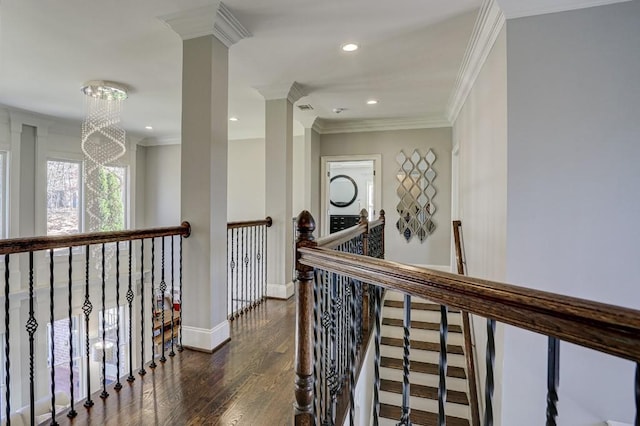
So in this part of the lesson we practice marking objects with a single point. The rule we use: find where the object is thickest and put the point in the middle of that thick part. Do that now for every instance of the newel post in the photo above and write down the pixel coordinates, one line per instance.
(384, 224)
(303, 406)
(364, 220)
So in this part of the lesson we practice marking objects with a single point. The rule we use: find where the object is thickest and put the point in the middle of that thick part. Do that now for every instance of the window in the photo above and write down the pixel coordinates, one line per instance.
(60, 363)
(114, 201)
(64, 197)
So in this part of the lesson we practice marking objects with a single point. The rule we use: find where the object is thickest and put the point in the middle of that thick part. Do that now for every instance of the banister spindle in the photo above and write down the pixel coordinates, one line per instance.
(152, 364)
(118, 385)
(72, 411)
(245, 275)
(7, 362)
(377, 294)
(317, 404)
(142, 371)
(237, 268)
(130, 377)
(87, 307)
(163, 288)
(231, 266)
(352, 357)
(173, 302)
(32, 326)
(180, 347)
(405, 417)
(490, 359)
(553, 378)
(442, 367)
(637, 393)
(303, 406)
(52, 335)
(104, 392)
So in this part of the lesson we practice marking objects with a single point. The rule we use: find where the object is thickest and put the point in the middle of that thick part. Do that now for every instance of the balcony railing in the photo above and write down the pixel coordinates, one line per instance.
(322, 270)
(132, 279)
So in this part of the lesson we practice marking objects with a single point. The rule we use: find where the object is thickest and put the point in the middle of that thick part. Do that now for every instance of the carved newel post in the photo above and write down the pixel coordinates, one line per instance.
(303, 406)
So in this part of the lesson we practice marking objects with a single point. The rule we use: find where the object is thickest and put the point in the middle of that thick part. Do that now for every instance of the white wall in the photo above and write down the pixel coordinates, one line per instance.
(435, 249)
(245, 184)
(573, 209)
(480, 132)
(162, 185)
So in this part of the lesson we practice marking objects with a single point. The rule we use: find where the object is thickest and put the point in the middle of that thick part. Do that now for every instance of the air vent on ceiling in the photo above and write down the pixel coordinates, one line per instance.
(305, 107)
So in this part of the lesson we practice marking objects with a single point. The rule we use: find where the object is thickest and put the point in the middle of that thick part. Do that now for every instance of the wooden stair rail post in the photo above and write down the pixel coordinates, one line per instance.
(466, 324)
(304, 381)
(364, 220)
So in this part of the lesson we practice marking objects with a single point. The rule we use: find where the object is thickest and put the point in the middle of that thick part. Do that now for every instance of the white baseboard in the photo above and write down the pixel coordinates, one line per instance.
(280, 291)
(205, 340)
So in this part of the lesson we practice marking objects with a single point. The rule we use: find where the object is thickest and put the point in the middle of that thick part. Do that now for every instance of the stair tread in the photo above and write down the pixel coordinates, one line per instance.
(416, 305)
(422, 391)
(422, 325)
(419, 417)
(425, 346)
(423, 367)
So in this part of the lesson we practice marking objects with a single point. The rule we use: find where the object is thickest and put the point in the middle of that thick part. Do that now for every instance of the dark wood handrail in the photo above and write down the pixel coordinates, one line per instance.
(23, 245)
(606, 328)
(247, 223)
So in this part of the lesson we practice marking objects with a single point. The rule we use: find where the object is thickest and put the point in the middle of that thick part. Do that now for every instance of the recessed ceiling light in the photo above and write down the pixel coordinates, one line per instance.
(349, 47)
(233, 119)
(372, 102)
(148, 127)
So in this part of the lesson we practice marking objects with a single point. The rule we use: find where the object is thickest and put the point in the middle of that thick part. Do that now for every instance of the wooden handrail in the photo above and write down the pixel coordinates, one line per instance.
(23, 245)
(246, 223)
(606, 328)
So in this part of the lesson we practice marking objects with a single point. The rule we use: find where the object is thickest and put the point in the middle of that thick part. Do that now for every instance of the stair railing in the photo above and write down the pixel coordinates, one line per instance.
(246, 265)
(605, 328)
(68, 278)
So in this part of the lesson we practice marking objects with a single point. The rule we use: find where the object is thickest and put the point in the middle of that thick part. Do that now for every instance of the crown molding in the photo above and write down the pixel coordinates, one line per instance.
(535, 8)
(216, 20)
(292, 92)
(324, 126)
(488, 25)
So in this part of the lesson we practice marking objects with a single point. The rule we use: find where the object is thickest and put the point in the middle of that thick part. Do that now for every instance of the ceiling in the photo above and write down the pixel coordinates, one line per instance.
(409, 56)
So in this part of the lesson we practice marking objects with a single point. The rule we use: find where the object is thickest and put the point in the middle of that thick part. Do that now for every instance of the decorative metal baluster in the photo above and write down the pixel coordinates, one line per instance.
(637, 392)
(352, 359)
(405, 418)
(87, 307)
(553, 378)
(32, 326)
(334, 373)
(52, 335)
(180, 348)
(377, 295)
(142, 371)
(163, 288)
(488, 390)
(153, 303)
(72, 412)
(253, 267)
(173, 302)
(237, 266)
(118, 385)
(130, 296)
(245, 274)
(264, 262)
(104, 392)
(231, 265)
(7, 363)
(326, 346)
(442, 385)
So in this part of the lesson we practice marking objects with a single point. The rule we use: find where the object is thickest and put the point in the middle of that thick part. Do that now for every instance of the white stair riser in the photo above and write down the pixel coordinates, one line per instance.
(454, 318)
(422, 335)
(423, 404)
(423, 379)
(422, 356)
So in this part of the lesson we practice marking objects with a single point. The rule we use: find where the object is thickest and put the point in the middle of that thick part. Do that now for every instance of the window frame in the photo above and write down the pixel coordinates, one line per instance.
(81, 191)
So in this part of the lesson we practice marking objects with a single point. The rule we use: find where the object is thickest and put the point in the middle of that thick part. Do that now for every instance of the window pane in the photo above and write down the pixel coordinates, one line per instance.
(113, 198)
(63, 197)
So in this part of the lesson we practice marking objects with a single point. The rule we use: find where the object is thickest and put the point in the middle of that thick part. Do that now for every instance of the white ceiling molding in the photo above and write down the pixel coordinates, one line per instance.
(307, 119)
(519, 9)
(490, 21)
(292, 92)
(159, 142)
(216, 20)
(324, 126)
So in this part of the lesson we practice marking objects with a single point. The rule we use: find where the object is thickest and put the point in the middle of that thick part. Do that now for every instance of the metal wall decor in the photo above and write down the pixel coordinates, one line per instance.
(416, 193)
(344, 191)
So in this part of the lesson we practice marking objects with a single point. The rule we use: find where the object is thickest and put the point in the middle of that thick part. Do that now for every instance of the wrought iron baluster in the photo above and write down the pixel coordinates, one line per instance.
(142, 371)
(130, 378)
(163, 288)
(118, 385)
(264, 261)
(52, 336)
(377, 296)
(253, 267)
(488, 390)
(326, 346)
(87, 307)
(246, 300)
(237, 266)
(352, 359)
(180, 347)
(72, 412)
(442, 367)
(553, 378)
(32, 326)
(7, 347)
(637, 392)
(405, 418)
(104, 392)
(152, 364)
(173, 302)
(230, 265)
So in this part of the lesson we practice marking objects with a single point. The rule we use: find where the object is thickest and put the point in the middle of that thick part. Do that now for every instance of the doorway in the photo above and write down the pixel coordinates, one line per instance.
(350, 184)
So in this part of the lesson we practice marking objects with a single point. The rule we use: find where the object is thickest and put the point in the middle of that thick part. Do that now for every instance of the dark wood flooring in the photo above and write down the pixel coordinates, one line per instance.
(249, 381)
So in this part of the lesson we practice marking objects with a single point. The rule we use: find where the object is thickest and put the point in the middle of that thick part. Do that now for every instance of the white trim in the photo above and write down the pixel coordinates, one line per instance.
(485, 32)
(160, 142)
(206, 340)
(533, 10)
(280, 291)
(292, 92)
(227, 28)
(324, 126)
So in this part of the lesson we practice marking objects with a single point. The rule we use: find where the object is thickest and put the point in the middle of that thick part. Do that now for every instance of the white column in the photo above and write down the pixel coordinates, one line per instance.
(312, 169)
(279, 173)
(207, 34)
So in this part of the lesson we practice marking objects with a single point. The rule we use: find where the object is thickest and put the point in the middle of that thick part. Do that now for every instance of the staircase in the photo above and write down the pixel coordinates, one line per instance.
(425, 348)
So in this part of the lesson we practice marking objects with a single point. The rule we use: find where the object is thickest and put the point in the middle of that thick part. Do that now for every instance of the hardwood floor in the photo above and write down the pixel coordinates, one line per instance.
(249, 381)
